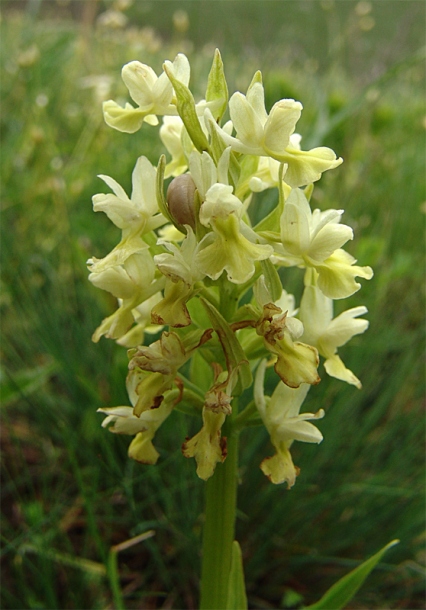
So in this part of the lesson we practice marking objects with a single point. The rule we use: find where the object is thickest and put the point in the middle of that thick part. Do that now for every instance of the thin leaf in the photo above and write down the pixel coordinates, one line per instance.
(161, 200)
(271, 222)
(186, 108)
(272, 279)
(234, 353)
(217, 89)
(81, 563)
(237, 598)
(344, 589)
(217, 148)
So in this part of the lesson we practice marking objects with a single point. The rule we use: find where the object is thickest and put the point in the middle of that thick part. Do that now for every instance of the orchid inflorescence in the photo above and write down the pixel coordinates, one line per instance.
(191, 266)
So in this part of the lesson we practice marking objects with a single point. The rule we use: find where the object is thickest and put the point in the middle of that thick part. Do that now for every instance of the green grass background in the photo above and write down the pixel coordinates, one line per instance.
(69, 493)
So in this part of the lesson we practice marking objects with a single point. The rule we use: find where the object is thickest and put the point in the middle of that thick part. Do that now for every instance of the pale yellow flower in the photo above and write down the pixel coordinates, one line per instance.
(258, 133)
(327, 334)
(226, 248)
(143, 427)
(313, 240)
(207, 446)
(153, 95)
(280, 414)
(296, 362)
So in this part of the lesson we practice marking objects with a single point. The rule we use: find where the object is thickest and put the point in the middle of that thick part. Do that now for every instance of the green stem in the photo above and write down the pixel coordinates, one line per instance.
(228, 298)
(219, 526)
(114, 580)
(243, 418)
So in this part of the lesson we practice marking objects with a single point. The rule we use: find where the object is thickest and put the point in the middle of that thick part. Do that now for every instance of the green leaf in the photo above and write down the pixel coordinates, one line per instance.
(234, 353)
(343, 590)
(217, 148)
(217, 89)
(186, 108)
(271, 222)
(236, 599)
(234, 168)
(308, 190)
(86, 565)
(272, 279)
(201, 372)
(249, 165)
(161, 200)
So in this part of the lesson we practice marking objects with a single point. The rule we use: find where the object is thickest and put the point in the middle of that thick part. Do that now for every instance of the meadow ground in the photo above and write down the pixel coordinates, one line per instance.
(69, 492)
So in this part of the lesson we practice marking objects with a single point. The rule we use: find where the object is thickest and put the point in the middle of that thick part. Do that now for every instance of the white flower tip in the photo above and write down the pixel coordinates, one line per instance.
(131, 65)
(138, 70)
(168, 67)
(368, 273)
(181, 57)
(290, 103)
(237, 97)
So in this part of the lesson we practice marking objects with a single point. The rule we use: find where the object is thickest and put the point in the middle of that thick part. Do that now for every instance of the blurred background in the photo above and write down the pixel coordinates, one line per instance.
(69, 492)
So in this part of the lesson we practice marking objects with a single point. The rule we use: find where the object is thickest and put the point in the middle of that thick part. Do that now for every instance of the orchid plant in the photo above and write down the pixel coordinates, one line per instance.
(193, 270)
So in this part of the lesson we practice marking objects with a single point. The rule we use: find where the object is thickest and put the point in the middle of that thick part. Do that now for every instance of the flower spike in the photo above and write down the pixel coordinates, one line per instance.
(199, 270)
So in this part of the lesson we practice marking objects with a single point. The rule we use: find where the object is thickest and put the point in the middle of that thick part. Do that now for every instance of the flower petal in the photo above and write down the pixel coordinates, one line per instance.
(140, 80)
(127, 119)
(120, 211)
(142, 450)
(203, 172)
(280, 125)
(114, 280)
(305, 167)
(118, 190)
(227, 249)
(207, 447)
(280, 468)
(316, 313)
(328, 240)
(298, 429)
(335, 368)
(297, 362)
(172, 308)
(286, 402)
(144, 186)
(246, 121)
(337, 275)
(345, 326)
(295, 223)
(256, 98)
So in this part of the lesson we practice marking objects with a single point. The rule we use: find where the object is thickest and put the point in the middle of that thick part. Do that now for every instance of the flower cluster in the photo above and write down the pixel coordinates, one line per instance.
(193, 272)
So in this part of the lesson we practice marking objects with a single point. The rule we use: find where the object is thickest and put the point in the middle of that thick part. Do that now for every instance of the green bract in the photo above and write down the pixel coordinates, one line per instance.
(191, 266)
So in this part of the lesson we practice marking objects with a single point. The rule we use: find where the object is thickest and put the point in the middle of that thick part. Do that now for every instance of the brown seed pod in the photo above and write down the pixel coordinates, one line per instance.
(180, 200)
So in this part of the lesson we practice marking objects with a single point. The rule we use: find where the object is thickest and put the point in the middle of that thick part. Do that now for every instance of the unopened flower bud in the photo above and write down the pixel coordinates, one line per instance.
(180, 199)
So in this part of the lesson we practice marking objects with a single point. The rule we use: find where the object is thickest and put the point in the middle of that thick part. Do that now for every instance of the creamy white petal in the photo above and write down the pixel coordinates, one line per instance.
(246, 121)
(331, 237)
(139, 80)
(281, 124)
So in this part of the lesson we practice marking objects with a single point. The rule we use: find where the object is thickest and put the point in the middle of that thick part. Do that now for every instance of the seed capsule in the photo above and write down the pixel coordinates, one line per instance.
(180, 200)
